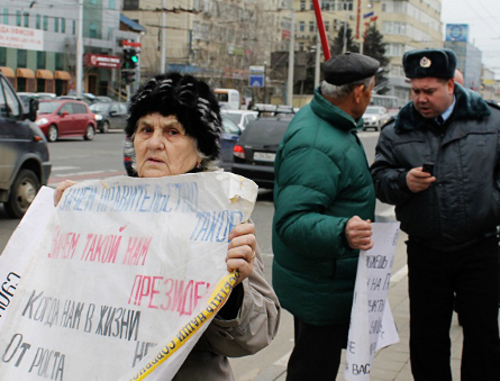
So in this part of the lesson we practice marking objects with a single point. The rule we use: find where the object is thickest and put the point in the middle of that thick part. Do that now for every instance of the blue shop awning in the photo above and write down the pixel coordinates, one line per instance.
(131, 24)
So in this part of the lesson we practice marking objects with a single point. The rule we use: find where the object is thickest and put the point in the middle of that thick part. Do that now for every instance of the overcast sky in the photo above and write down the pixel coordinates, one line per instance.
(483, 17)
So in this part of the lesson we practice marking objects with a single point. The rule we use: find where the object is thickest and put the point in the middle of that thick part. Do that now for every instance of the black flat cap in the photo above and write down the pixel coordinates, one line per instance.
(349, 67)
(438, 63)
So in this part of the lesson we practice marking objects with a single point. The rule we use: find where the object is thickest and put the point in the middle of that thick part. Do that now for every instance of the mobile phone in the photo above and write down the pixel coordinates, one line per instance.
(428, 167)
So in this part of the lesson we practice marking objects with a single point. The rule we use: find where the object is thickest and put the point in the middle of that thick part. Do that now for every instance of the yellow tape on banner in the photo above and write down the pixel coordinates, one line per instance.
(217, 299)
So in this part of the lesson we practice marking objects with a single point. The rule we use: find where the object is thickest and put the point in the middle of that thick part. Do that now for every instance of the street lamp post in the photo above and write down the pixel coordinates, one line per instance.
(264, 82)
(79, 50)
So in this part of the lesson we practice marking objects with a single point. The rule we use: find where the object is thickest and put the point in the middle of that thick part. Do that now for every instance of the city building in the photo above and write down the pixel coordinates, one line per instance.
(405, 25)
(38, 44)
(218, 40)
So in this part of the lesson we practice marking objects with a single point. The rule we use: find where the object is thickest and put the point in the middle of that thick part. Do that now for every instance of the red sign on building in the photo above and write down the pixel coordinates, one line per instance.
(101, 60)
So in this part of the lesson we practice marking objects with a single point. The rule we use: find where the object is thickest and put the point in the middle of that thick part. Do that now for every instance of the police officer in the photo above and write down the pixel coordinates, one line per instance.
(439, 163)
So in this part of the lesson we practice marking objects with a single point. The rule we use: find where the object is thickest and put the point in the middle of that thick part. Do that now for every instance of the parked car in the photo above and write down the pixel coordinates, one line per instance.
(241, 117)
(63, 117)
(24, 156)
(230, 135)
(255, 151)
(109, 115)
(374, 117)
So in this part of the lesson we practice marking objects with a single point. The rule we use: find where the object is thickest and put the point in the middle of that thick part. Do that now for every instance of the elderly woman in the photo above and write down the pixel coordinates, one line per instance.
(175, 127)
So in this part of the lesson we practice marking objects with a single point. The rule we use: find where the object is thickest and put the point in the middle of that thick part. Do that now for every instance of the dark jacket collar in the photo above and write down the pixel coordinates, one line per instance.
(469, 105)
(332, 114)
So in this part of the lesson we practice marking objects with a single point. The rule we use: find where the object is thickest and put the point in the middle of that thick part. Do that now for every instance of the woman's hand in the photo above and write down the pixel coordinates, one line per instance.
(61, 187)
(241, 250)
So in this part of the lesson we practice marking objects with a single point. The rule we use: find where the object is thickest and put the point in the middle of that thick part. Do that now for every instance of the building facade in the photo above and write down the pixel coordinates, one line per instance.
(38, 42)
(217, 40)
(405, 25)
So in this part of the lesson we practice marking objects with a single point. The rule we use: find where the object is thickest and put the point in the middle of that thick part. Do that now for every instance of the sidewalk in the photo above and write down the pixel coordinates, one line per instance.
(391, 363)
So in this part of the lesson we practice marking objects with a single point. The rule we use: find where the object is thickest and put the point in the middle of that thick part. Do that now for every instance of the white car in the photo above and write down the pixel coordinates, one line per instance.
(241, 117)
(374, 117)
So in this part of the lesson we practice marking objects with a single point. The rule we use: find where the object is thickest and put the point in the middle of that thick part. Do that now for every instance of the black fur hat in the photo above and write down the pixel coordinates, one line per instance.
(438, 63)
(189, 99)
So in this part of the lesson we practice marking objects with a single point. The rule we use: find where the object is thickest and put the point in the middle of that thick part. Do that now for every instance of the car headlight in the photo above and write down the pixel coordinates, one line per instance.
(41, 121)
(98, 117)
(374, 118)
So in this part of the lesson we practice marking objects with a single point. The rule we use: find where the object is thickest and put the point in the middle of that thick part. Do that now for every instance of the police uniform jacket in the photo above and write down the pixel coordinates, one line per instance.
(322, 179)
(463, 204)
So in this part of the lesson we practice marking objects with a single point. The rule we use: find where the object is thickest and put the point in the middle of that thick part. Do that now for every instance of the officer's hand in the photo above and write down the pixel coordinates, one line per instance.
(359, 233)
(418, 181)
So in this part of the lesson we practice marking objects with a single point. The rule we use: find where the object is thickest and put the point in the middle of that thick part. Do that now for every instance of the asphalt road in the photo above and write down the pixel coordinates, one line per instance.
(76, 159)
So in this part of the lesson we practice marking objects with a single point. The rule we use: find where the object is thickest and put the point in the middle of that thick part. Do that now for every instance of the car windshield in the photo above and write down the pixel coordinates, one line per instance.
(372, 110)
(99, 107)
(234, 117)
(48, 107)
(265, 131)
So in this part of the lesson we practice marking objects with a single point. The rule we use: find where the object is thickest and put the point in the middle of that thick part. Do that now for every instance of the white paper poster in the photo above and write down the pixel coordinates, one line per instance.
(127, 272)
(372, 325)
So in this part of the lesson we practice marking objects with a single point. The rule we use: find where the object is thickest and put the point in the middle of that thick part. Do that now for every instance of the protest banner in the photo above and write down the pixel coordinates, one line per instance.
(127, 275)
(372, 325)
(24, 240)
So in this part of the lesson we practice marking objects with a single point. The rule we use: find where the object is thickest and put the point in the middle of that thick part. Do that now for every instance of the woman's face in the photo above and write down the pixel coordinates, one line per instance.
(162, 147)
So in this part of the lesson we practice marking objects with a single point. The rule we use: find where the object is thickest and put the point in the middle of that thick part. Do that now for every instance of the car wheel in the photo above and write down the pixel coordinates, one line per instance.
(89, 133)
(105, 127)
(22, 194)
(52, 133)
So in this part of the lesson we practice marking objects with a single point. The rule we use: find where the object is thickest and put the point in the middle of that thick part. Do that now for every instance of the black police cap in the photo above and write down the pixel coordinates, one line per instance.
(437, 63)
(349, 67)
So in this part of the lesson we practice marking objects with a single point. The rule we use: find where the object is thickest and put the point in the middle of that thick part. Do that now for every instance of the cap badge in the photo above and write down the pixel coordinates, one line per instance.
(425, 62)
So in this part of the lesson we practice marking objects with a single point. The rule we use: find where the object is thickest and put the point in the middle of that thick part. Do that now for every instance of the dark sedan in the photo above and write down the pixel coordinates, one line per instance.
(109, 115)
(256, 149)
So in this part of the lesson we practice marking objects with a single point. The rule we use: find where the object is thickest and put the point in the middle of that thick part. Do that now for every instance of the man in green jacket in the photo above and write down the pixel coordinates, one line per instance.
(324, 201)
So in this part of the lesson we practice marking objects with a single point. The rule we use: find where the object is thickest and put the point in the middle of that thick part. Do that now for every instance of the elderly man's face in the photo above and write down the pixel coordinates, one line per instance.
(162, 147)
(432, 96)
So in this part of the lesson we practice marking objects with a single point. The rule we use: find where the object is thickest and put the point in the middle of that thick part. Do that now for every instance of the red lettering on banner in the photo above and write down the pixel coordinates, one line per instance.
(63, 244)
(167, 294)
(137, 251)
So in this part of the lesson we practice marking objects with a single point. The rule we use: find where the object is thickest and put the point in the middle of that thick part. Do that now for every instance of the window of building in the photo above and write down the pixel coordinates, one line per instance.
(5, 16)
(18, 18)
(92, 30)
(38, 22)
(40, 60)
(59, 61)
(111, 4)
(311, 5)
(26, 16)
(347, 5)
(303, 5)
(3, 56)
(63, 25)
(74, 27)
(327, 26)
(93, 2)
(311, 26)
(302, 26)
(22, 58)
(131, 5)
(56, 24)
(45, 22)
(301, 46)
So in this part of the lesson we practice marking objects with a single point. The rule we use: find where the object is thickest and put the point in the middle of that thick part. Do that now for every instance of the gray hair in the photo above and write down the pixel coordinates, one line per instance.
(342, 91)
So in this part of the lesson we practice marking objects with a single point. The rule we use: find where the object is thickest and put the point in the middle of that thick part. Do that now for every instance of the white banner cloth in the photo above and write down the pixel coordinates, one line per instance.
(126, 269)
(372, 325)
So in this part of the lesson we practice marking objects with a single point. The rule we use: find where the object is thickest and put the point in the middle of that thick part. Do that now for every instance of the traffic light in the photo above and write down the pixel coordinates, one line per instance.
(128, 76)
(130, 59)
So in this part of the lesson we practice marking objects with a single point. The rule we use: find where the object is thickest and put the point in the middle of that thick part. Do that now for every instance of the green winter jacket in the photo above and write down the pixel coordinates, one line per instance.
(321, 181)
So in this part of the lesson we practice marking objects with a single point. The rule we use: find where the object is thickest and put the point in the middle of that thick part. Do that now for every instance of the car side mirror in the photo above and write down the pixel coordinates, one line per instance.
(112, 113)
(64, 113)
(33, 109)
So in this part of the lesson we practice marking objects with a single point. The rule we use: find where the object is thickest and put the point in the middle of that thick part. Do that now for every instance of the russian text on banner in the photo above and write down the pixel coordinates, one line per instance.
(124, 265)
